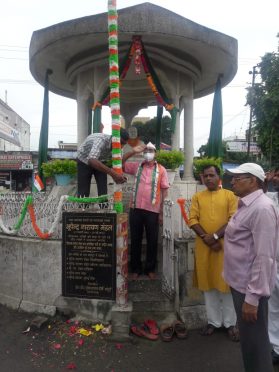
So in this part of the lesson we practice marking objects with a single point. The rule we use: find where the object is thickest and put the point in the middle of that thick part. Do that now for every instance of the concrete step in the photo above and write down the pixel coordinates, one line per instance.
(149, 302)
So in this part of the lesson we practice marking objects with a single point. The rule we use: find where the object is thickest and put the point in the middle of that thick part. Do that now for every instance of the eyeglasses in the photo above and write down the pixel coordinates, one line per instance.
(236, 179)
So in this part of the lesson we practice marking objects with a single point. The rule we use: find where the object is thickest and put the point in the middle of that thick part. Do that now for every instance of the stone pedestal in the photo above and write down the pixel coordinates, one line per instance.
(121, 320)
(191, 301)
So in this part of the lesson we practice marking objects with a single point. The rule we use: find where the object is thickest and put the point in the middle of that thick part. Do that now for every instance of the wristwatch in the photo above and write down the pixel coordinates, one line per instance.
(215, 236)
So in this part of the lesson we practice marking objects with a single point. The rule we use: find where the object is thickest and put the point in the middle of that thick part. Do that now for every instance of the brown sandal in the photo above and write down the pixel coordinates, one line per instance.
(166, 332)
(233, 333)
(180, 329)
(207, 330)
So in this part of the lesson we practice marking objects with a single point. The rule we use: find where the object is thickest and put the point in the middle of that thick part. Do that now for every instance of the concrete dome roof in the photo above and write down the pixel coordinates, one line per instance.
(172, 42)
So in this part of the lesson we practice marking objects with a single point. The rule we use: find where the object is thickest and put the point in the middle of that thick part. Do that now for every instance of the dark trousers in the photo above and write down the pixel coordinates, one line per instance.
(84, 175)
(254, 340)
(141, 219)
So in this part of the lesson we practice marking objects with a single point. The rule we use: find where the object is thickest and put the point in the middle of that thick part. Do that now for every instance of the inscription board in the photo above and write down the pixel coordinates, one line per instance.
(89, 255)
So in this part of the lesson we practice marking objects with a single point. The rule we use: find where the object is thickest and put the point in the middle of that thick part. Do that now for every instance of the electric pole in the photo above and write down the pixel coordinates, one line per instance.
(253, 73)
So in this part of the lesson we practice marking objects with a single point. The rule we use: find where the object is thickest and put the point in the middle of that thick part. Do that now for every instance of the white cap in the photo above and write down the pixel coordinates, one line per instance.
(251, 168)
(151, 146)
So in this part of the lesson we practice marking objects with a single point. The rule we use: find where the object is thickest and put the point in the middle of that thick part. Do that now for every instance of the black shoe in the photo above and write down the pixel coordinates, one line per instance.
(275, 357)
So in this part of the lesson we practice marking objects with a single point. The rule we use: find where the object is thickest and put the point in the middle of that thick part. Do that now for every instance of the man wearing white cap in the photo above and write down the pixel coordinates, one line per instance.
(250, 263)
(146, 209)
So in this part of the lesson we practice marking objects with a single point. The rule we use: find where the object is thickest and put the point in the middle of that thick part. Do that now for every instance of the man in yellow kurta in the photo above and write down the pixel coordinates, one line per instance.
(210, 212)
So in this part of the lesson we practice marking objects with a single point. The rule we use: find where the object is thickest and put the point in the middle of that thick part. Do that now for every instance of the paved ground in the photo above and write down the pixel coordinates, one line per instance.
(57, 347)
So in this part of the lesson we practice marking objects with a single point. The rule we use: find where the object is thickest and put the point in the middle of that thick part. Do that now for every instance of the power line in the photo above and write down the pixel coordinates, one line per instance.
(13, 81)
(17, 59)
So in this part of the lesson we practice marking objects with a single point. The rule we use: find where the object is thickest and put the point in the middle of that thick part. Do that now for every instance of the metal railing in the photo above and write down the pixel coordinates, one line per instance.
(45, 208)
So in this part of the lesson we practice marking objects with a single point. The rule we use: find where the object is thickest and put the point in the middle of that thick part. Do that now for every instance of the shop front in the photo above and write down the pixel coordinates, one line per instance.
(16, 171)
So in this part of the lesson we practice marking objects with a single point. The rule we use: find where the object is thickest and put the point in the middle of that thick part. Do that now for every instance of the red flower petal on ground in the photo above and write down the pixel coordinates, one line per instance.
(80, 342)
(71, 365)
(73, 329)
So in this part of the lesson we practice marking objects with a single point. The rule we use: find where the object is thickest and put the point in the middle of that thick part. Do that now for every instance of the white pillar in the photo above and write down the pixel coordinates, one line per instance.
(82, 120)
(175, 139)
(83, 93)
(187, 103)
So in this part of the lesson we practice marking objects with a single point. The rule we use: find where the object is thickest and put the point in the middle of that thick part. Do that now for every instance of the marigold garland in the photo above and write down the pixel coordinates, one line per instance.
(181, 203)
(34, 224)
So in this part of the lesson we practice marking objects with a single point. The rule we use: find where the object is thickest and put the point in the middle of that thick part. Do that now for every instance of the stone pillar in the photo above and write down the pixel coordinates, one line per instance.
(187, 103)
(175, 140)
(82, 107)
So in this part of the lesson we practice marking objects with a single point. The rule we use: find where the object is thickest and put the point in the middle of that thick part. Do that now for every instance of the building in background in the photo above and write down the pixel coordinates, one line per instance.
(239, 143)
(16, 163)
(14, 131)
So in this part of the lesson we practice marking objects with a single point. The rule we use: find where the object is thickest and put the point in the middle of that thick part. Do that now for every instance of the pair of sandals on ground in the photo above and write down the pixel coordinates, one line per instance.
(150, 330)
(232, 331)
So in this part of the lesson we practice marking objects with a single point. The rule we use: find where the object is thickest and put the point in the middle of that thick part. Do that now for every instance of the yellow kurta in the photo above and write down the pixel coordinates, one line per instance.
(212, 210)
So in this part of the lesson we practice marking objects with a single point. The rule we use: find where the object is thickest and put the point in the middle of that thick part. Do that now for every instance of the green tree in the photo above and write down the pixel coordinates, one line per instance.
(147, 131)
(263, 98)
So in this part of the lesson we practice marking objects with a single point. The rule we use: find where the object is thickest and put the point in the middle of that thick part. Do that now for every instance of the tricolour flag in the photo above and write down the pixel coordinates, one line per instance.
(38, 183)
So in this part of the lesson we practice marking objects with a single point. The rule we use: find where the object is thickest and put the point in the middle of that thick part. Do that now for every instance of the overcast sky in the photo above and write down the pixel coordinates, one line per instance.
(253, 23)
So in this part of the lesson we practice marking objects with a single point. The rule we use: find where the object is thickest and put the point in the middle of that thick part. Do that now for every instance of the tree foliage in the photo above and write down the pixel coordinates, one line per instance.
(263, 98)
(147, 131)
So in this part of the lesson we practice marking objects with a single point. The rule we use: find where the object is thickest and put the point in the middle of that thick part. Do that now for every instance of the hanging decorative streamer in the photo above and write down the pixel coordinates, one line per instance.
(115, 98)
(181, 203)
(137, 51)
(34, 224)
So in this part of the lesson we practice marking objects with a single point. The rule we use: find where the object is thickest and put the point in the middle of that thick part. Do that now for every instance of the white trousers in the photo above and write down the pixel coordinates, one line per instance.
(273, 316)
(219, 308)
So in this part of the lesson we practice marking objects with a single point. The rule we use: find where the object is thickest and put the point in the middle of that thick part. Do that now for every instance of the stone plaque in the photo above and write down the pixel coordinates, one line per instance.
(89, 255)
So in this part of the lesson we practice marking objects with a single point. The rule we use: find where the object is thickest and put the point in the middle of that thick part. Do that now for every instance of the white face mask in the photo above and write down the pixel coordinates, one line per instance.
(148, 156)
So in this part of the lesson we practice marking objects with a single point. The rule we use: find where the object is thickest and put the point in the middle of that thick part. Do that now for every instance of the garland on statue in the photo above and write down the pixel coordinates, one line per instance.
(28, 206)
(115, 99)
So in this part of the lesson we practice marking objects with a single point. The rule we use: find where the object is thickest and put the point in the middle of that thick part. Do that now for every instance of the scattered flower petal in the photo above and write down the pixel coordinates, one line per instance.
(71, 365)
(73, 329)
(98, 327)
(84, 332)
(107, 330)
(80, 342)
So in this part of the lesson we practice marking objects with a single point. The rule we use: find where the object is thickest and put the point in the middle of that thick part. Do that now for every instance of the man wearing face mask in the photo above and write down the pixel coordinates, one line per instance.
(146, 209)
